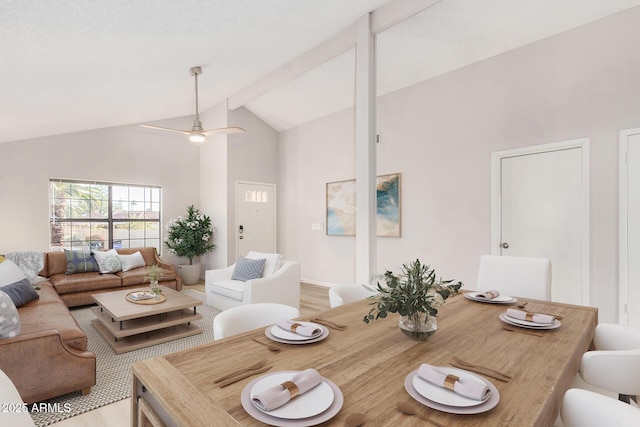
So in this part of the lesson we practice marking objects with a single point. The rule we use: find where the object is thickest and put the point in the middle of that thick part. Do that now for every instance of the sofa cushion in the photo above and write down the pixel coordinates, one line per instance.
(272, 263)
(64, 284)
(129, 262)
(53, 316)
(148, 253)
(248, 269)
(46, 294)
(229, 288)
(10, 273)
(20, 292)
(80, 262)
(137, 276)
(9, 318)
(108, 261)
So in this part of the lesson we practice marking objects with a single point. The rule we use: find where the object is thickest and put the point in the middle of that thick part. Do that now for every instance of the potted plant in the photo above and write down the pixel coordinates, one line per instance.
(189, 237)
(153, 275)
(415, 294)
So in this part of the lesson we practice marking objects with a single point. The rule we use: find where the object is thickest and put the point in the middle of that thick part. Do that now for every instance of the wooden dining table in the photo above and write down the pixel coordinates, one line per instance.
(370, 362)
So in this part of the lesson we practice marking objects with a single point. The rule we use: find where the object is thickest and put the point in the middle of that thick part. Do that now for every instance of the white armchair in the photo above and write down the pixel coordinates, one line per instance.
(281, 286)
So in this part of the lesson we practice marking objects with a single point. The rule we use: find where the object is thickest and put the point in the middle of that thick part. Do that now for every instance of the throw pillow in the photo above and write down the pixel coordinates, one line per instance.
(1, 258)
(248, 269)
(9, 319)
(80, 262)
(10, 273)
(272, 263)
(108, 262)
(132, 261)
(20, 292)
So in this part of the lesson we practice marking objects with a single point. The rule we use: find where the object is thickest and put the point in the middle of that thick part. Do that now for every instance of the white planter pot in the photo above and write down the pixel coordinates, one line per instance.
(190, 274)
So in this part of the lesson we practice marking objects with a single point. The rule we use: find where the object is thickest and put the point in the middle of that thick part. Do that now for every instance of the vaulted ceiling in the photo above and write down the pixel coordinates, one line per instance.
(69, 65)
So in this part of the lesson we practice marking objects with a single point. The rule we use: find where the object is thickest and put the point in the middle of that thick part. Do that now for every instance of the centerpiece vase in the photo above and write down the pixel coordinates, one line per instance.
(418, 326)
(155, 289)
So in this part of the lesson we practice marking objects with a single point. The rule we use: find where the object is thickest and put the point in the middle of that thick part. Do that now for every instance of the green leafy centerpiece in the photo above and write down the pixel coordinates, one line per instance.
(415, 294)
(153, 274)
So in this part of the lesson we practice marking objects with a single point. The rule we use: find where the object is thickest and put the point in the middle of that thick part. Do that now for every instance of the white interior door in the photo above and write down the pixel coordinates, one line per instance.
(543, 211)
(630, 227)
(256, 217)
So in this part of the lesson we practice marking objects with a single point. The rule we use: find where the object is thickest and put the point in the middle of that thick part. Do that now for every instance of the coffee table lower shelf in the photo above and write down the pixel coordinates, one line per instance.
(160, 334)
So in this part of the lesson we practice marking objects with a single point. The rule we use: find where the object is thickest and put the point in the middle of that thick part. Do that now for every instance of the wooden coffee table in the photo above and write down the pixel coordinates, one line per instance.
(128, 326)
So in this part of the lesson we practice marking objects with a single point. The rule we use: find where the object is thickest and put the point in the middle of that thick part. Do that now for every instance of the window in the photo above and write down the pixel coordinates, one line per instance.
(93, 215)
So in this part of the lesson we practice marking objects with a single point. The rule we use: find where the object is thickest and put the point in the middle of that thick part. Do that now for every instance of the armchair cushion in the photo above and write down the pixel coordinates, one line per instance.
(248, 269)
(229, 288)
(272, 262)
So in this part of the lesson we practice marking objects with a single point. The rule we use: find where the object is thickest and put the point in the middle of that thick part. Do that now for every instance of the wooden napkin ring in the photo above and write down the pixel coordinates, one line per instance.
(529, 317)
(449, 381)
(292, 388)
(294, 326)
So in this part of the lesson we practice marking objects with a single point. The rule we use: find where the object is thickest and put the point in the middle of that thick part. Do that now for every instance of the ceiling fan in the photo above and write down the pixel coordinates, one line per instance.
(197, 134)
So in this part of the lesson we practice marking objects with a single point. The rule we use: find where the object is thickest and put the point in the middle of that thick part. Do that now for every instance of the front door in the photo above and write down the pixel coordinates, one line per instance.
(543, 211)
(256, 217)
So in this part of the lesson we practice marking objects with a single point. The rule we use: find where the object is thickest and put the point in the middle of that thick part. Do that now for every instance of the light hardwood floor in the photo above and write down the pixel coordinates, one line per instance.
(313, 299)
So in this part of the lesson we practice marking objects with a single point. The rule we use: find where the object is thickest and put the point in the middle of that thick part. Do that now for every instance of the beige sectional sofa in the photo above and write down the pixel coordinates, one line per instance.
(76, 289)
(49, 357)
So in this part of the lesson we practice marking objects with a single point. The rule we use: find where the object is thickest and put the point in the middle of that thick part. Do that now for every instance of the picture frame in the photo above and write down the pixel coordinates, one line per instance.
(341, 207)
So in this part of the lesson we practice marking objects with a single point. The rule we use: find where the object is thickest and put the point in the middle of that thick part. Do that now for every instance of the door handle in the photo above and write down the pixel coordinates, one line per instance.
(505, 245)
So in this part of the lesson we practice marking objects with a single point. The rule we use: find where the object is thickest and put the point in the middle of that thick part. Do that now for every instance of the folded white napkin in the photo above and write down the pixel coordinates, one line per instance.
(277, 395)
(299, 328)
(490, 294)
(544, 319)
(463, 386)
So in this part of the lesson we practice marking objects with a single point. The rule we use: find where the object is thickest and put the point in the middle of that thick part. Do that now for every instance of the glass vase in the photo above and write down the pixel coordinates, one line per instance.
(418, 326)
(155, 290)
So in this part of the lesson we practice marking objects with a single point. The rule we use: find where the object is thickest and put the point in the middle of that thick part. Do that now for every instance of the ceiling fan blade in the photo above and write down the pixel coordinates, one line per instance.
(184, 132)
(219, 131)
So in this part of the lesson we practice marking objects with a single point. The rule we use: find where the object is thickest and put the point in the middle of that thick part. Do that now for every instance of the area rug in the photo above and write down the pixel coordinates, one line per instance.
(113, 371)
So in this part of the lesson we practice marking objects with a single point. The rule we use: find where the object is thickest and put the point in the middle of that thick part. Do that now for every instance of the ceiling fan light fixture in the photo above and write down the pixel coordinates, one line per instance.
(197, 138)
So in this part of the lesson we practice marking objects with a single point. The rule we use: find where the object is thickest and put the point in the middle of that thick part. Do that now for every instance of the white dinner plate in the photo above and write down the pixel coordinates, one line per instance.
(444, 396)
(268, 418)
(529, 325)
(500, 299)
(490, 403)
(277, 331)
(271, 336)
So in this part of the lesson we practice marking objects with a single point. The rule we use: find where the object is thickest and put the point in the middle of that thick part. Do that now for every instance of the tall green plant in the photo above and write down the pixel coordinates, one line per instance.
(416, 290)
(189, 237)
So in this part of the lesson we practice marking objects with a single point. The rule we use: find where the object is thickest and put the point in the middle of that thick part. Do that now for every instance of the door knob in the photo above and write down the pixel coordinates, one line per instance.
(505, 245)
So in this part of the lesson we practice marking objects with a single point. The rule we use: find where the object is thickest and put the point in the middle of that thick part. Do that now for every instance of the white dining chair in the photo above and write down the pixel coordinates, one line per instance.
(516, 276)
(584, 408)
(247, 317)
(13, 403)
(615, 364)
(342, 294)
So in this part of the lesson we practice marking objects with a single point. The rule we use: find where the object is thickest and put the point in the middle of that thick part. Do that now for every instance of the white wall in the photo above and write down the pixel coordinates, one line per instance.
(439, 134)
(127, 154)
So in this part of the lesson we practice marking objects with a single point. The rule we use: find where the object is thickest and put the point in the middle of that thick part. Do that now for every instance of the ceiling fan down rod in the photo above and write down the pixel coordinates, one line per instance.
(197, 124)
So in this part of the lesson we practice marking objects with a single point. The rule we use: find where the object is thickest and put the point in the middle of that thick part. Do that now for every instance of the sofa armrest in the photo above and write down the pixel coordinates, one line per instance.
(171, 267)
(218, 275)
(281, 287)
(38, 358)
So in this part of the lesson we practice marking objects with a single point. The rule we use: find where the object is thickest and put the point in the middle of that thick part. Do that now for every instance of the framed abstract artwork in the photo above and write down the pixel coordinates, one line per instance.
(341, 207)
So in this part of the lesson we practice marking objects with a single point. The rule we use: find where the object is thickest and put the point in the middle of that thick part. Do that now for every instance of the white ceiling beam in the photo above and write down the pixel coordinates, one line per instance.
(397, 11)
(381, 19)
(309, 60)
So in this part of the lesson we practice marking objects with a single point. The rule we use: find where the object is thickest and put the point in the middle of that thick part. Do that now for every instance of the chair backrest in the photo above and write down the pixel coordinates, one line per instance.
(343, 294)
(516, 276)
(611, 336)
(247, 317)
(9, 395)
(616, 370)
(583, 408)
